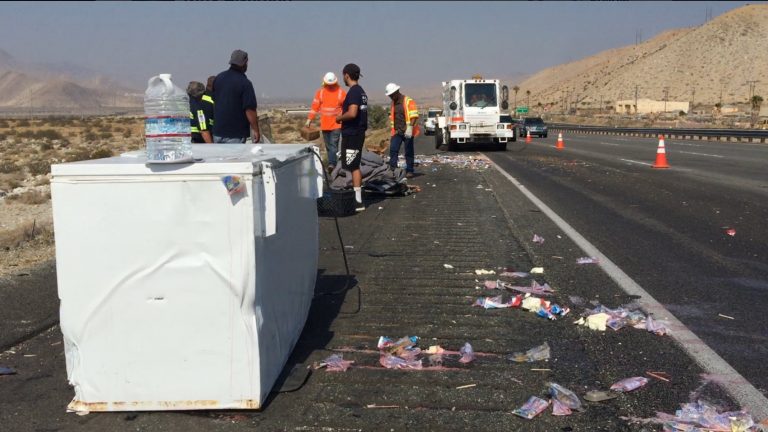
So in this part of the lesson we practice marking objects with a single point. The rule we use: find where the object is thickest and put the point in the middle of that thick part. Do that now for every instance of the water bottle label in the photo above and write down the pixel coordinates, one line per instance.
(158, 126)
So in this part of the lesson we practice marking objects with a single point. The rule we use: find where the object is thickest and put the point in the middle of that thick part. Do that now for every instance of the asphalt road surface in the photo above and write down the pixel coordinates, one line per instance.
(667, 229)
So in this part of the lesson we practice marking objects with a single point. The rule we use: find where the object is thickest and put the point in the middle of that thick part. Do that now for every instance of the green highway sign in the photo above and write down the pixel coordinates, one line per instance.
(522, 110)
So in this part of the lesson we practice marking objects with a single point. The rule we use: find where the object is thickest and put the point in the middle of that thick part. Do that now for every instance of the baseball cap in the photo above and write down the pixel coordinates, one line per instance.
(351, 69)
(238, 58)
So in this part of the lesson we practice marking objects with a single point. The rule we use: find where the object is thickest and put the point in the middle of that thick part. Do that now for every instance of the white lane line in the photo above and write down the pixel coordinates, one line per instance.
(700, 154)
(609, 144)
(637, 162)
(736, 385)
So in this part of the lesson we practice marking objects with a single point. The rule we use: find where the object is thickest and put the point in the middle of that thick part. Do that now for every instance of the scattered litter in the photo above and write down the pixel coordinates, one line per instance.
(405, 343)
(381, 208)
(702, 414)
(629, 384)
(335, 363)
(599, 395)
(7, 371)
(652, 326)
(658, 375)
(537, 239)
(382, 406)
(597, 321)
(535, 287)
(455, 161)
(725, 316)
(481, 272)
(448, 266)
(557, 257)
(348, 247)
(602, 317)
(391, 362)
(466, 386)
(587, 260)
(541, 370)
(514, 274)
(560, 409)
(541, 352)
(467, 354)
(565, 397)
(480, 187)
(434, 349)
(537, 270)
(576, 300)
(497, 302)
(533, 304)
(533, 407)
(435, 360)
(30, 355)
(730, 231)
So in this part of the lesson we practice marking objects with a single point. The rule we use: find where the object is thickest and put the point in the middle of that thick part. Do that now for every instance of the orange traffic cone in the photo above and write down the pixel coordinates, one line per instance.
(528, 138)
(560, 144)
(661, 155)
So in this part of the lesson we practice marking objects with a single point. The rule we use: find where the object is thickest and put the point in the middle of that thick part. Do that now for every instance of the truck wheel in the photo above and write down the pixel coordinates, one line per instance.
(502, 146)
(438, 138)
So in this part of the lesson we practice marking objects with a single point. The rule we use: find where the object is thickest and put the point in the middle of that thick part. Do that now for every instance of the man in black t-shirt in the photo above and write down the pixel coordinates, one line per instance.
(354, 122)
(235, 103)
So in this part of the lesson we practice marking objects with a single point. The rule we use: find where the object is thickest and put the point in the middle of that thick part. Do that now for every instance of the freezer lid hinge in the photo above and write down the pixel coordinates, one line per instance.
(270, 199)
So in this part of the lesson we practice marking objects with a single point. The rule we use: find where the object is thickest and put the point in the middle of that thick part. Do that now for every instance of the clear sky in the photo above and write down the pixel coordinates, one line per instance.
(292, 44)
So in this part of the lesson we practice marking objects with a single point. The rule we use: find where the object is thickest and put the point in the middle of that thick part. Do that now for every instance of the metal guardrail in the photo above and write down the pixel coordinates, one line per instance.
(737, 135)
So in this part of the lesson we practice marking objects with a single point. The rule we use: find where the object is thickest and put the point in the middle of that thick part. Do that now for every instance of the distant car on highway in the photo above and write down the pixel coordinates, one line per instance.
(534, 125)
(431, 121)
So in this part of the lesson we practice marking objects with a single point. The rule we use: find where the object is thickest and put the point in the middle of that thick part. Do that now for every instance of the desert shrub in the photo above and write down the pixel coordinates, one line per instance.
(49, 134)
(29, 232)
(22, 123)
(45, 145)
(31, 197)
(77, 154)
(105, 135)
(4, 124)
(3, 136)
(89, 135)
(101, 152)
(127, 133)
(42, 181)
(7, 166)
(377, 117)
(39, 166)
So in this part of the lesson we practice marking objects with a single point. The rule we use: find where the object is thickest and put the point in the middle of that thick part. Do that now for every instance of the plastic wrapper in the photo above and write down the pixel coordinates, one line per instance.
(392, 362)
(533, 407)
(533, 304)
(497, 302)
(514, 274)
(629, 384)
(565, 397)
(386, 343)
(467, 354)
(655, 327)
(560, 409)
(233, 183)
(541, 352)
(335, 363)
(700, 414)
(535, 287)
(587, 260)
(537, 239)
(482, 272)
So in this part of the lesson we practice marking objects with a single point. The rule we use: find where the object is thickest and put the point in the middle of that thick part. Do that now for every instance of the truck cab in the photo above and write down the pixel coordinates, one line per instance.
(430, 122)
(472, 111)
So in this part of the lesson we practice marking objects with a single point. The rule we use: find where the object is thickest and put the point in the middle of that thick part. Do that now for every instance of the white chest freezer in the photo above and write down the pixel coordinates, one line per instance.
(176, 295)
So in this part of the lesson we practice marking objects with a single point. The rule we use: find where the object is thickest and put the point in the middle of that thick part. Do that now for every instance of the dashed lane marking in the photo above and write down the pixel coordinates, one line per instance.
(736, 385)
(700, 154)
(637, 162)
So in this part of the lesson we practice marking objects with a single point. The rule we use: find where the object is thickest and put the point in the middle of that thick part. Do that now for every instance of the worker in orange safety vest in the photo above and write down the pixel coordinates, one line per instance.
(403, 117)
(328, 100)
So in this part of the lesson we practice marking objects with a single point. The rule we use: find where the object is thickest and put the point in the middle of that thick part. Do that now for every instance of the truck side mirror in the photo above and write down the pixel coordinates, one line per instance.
(504, 93)
(504, 105)
(453, 105)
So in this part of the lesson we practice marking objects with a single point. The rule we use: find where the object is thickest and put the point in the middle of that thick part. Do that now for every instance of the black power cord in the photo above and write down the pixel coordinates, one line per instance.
(347, 285)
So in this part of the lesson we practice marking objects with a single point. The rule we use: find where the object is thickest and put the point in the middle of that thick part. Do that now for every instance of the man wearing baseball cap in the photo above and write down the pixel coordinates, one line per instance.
(328, 100)
(235, 107)
(354, 122)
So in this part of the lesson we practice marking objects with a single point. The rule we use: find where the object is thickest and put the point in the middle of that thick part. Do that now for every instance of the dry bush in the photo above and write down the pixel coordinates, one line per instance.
(11, 181)
(4, 124)
(42, 181)
(127, 133)
(89, 135)
(39, 167)
(32, 197)
(45, 145)
(101, 152)
(7, 166)
(105, 135)
(77, 154)
(22, 123)
(31, 232)
(49, 134)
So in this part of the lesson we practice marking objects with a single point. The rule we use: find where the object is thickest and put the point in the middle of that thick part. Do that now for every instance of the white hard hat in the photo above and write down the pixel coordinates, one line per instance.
(330, 78)
(391, 88)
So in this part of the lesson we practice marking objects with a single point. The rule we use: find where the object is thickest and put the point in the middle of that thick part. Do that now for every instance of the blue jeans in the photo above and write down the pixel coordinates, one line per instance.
(332, 139)
(394, 151)
(222, 140)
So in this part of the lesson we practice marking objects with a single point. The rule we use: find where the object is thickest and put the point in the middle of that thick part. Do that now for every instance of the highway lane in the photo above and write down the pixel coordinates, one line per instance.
(667, 228)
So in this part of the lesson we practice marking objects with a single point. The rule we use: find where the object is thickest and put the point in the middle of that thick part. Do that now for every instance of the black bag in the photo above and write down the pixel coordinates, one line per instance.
(336, 202)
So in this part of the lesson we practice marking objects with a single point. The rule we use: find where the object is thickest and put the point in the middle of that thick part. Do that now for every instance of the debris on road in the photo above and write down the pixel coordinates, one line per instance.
(455, 161)
(391, 362)
(7, 371)
(541, 352)
(535, 287)
(514, 274)
(701, 414)
(599, 395)
(466, 386)
(587, 260)
(563, 399)
(467, 354)
(335, 363)
(481, 272)
(730, 231)
(629, 384)
(725, 316)
(533, 407)
(537, 270)
(659, 375)
(537, 239)
(498, 302)
(602, 317)
(382, 406)
(448, 266)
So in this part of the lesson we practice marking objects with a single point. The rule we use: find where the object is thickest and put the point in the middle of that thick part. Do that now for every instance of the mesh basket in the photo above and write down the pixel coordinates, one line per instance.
(336, 203)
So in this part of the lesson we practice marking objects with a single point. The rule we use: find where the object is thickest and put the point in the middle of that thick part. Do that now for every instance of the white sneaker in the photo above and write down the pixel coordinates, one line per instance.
(359, 207)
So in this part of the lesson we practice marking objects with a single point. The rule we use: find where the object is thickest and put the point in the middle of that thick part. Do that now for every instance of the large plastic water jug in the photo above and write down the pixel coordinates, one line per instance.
(167, 126)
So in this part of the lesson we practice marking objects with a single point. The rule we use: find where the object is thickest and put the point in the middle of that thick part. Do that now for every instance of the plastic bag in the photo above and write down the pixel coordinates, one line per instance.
(565, 397)
(541, 352)
(587, 260)
(537, 239)
(497, 302)
(560, 409)
(392, 362)
(335, 363)
(532, 407)
(629, 384)
(467, 354)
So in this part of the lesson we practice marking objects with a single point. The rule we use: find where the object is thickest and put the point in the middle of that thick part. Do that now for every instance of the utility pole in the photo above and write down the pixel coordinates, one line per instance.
(666, 96)
(636, 87)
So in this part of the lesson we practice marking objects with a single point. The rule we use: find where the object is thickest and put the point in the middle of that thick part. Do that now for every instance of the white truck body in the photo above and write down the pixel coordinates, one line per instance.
(471, 114)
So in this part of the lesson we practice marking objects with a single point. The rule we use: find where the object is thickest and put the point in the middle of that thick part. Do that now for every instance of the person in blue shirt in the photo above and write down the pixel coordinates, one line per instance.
(235, 103)
(354, 122)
